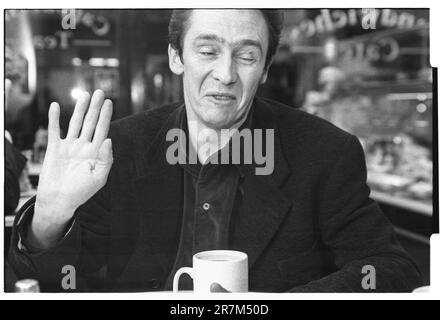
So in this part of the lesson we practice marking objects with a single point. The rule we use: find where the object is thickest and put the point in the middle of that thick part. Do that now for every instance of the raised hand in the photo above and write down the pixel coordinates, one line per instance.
(74, 168)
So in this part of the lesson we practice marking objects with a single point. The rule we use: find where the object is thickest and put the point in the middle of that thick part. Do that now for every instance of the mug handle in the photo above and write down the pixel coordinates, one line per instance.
(187, 270)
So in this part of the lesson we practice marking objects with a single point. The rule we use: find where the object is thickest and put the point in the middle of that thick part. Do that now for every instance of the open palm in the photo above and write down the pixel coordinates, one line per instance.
(76, 167)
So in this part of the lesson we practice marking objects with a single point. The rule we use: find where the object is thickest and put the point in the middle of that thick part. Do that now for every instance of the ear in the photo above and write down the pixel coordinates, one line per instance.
(176, 65)
(265, 72)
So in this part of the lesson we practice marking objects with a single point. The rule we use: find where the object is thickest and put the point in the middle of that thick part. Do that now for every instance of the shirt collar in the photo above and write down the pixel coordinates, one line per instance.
(194, 169)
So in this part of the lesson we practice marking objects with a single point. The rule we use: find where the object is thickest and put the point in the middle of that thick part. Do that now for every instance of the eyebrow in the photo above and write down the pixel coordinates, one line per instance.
(209, 37)
(241, 43)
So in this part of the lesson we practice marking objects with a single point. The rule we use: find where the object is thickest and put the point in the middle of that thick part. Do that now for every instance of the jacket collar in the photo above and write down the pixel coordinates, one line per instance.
(153, 160)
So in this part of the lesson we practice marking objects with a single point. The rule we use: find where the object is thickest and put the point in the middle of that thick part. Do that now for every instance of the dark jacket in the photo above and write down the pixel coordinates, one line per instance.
(309, 226)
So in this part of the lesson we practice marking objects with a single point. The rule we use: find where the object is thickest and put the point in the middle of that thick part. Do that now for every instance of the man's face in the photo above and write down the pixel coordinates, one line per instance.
(224, 54)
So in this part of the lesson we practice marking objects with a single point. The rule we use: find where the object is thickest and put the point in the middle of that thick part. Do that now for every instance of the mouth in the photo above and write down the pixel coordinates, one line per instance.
(221, 97)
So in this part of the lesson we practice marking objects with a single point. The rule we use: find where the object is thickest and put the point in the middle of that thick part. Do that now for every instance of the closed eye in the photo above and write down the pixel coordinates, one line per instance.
(207, 53)
(246, 58)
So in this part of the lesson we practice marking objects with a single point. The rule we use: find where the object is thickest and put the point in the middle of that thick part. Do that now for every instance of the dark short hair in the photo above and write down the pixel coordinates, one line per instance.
(178, 27)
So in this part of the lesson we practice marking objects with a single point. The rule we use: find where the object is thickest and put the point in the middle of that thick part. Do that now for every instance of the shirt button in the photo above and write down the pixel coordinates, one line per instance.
(154, 283)
(206, 206)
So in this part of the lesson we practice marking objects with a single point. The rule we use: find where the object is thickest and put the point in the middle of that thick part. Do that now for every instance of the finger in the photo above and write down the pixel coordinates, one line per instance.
(54, 122)
(92, 115)
(76, 120)
(216, 287)
(105, 117)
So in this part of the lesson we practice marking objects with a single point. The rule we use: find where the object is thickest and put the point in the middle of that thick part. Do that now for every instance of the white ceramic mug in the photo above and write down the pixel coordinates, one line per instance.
(228, 268)
(424, 289)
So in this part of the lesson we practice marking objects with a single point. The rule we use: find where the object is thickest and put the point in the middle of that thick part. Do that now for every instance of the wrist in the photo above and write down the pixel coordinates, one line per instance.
(48, 225)
(54, 213)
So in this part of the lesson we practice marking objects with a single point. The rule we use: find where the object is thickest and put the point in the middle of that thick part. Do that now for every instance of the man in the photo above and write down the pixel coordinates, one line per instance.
(115, 206)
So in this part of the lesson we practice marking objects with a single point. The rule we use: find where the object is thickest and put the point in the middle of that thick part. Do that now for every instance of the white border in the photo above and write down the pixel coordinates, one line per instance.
(435, 58)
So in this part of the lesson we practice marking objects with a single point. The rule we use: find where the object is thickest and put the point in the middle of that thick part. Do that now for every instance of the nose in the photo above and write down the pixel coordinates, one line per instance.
(225, 70)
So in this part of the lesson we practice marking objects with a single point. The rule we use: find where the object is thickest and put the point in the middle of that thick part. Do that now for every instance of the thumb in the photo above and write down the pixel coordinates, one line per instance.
(105, 153)
(105, 160)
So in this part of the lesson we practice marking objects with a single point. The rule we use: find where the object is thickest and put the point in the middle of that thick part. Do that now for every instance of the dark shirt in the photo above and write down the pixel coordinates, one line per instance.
(210, 200)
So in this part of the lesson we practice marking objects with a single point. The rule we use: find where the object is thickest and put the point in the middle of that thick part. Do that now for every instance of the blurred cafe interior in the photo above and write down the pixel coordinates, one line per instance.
(371, 77)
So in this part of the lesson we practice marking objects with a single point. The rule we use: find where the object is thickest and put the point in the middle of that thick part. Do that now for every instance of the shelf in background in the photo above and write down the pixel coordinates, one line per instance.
(403, 203)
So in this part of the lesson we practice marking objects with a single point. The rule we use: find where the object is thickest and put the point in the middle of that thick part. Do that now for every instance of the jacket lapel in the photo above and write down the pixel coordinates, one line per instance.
(264, 206)
(155, 201)
(159, 190)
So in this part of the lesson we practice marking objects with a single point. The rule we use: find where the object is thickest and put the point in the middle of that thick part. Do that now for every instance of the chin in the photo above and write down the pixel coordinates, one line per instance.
(217, 120)
(217, 123)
